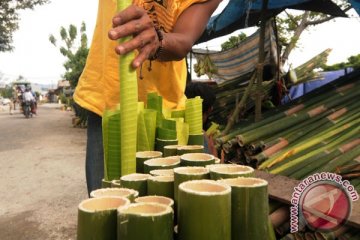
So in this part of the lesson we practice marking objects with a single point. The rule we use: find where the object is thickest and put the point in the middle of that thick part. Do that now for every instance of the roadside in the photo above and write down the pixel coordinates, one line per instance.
(42, 174)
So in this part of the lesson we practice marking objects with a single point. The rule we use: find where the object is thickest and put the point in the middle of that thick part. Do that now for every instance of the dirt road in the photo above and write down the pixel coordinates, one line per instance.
(42, 175)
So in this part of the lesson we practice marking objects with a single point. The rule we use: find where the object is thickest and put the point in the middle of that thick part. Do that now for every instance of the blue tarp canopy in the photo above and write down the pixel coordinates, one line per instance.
(239, 14)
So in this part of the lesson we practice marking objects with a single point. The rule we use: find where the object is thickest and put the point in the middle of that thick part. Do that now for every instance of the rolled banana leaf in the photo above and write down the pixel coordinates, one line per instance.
(161, 143)
(162, 172)
(250, 208)
(222, 171)
(150, 117)
(204, 210)
(128, 193)
(150, 221)
(105, 183)
(155, 199)
(142, 156)
(193, 115)
(115, 183)
(183, 174)
(196, 139)
(97, 218)
(190, 149)
(129, 105)
(178, 113)
(196, 159)
(161, 186)
(136, 181)
(161, 163)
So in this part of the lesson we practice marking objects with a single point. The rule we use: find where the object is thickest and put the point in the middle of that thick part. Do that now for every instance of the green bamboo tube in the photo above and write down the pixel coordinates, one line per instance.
(204, 210)
(161, 163)
(156, 199)
(196, 139)
(190, 149)
(171, 150)
(178, 113)
(217, 160)
(129, 105)
(161, 143)
(115, 183)
(97, 218)
(222, 171)
(105, 183)
(161, 186)
(183, 174)
(196, 159)
(128, 193)
(250, 208)
(136, 181)
(142, 156)
(150, 221)
(162, 172)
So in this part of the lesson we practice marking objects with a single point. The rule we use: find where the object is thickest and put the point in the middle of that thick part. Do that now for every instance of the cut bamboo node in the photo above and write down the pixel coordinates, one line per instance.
(162, 172)
(196, 159)
(151, 221)
(130, 194)
(97, 217)
(136, 181)
(222, 171)
(156, 199)
(161, 163)
(142, 156)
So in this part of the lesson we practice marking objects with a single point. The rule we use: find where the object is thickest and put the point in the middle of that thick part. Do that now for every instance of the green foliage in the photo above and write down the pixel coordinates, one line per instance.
(6, 92)
(9, 19)
(353, 61)
(76, 55)
(233, 41)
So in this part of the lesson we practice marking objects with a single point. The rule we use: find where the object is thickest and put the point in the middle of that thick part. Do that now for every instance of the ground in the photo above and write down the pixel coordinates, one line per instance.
(42, 173)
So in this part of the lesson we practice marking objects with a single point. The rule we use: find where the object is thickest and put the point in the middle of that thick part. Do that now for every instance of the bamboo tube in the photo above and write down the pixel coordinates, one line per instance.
(196, 159)
(115, 183)
(156, 199)
(196, 139)
(355, 167)
(130, 194)
(128, 100)
(341, 160)
(161, 143)
(190, 149)
(171, 150)
(150, 221)
(136, 181)
(280, 216)
(222, 171)
(142, 156)
(204, 210)
(97, 218)
(250, 208)
(162, 172)
(105, 183)
(183, 174)
(161, 186)
(161, 163)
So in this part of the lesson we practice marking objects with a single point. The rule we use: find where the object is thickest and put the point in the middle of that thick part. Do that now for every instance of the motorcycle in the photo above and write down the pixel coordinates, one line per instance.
(27, 109)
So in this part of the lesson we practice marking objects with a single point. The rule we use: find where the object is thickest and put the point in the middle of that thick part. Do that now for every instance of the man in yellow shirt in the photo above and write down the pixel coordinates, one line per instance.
(163, 31)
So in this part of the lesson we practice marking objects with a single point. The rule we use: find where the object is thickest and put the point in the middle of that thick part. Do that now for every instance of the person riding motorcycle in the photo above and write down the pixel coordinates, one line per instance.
(28, 98)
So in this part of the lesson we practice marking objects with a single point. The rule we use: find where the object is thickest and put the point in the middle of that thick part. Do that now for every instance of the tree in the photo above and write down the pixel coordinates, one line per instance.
(353, 61)
(76, 54)
(292, 24)
(233, 41)
(9, 17)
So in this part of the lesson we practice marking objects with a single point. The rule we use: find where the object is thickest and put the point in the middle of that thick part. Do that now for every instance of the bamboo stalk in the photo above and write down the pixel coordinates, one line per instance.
(136, 181)
(223, 171)
(130, 194)
(161, 163)
(142, 156)
(161, 186)
(196, 159)
(156, 199)
(162, 172)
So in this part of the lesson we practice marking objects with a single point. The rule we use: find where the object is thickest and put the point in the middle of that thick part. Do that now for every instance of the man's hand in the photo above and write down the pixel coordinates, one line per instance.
(134, 21)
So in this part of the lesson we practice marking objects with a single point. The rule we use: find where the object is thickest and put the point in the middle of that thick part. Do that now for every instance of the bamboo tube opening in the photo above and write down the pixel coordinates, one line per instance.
(191, 170)
(165, 178)
(245, 182)
(191, 147)
(145, 209)
(103, 203)
(115, 183)
(135, 177)
(173, 146)
(155, 199)
(205, 187)
(162, 161)
(162, 172)
(119, 192)
(148, 154)
(197, 157)
(232, 168)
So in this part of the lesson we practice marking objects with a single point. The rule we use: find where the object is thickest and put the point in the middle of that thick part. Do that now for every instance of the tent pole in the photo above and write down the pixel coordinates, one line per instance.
(259, 89)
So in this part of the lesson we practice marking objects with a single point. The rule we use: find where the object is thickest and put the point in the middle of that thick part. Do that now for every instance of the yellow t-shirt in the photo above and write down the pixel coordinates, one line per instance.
(98, 87)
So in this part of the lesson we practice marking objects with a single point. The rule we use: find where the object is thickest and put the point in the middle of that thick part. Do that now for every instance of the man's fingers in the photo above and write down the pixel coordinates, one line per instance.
(142, 56)
(138, 42)
(130, 13)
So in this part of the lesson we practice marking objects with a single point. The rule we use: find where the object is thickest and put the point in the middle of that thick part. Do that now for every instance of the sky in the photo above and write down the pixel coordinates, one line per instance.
(36, 59)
